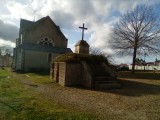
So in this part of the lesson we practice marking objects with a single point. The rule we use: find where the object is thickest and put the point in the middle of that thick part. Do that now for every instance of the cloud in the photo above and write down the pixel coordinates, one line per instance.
(124, 59)
(98, 15)
(99, 38)
(8, 31)
(64, 20)
(7, 44)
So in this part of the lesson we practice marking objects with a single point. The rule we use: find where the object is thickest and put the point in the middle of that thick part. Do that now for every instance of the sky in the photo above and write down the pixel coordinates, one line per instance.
(97, 15)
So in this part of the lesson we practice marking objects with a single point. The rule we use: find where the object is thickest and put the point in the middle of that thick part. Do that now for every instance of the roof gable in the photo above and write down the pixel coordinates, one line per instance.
(26, 25)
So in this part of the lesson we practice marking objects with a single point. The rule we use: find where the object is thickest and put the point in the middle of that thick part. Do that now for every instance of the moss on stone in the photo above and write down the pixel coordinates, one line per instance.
(77, 58)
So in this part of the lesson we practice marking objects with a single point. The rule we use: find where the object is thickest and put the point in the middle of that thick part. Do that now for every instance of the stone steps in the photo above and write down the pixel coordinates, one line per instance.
(98, 70)
(102, 79)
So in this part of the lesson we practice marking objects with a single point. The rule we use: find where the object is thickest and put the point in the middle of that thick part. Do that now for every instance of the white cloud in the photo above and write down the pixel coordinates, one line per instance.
(98, 15)
(123, 59)
(72, 46)
(4, 43)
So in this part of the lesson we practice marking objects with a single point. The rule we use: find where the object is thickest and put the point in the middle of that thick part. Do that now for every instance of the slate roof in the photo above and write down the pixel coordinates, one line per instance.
(26, 25)
(82, 43)
(37, 47)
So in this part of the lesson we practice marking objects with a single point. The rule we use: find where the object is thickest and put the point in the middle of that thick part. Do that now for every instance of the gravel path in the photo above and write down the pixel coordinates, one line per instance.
(123, 103)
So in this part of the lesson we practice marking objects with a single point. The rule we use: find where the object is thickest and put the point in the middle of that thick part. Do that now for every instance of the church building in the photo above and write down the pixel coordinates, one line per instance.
(38, 43)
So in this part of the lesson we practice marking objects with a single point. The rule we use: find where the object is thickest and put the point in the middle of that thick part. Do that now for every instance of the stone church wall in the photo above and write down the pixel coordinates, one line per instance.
(42, 31)
(38, 64)
(19, 59)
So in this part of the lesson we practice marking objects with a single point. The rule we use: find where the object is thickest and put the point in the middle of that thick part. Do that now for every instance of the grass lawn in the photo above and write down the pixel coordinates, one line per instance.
(18, 102)
(34, 96)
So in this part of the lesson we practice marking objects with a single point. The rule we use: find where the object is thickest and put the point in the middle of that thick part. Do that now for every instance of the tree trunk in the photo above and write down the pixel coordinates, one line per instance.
(134, 59)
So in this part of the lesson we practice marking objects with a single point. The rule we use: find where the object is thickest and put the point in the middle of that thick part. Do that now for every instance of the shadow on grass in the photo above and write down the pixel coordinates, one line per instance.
(134, 89)
(130, 88)
(139, 75)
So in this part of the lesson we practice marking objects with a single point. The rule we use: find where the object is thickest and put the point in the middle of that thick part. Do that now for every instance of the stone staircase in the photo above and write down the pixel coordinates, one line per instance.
(102, 79)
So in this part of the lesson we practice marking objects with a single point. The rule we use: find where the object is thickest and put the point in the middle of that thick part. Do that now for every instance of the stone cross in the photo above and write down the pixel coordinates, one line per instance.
(83, 28)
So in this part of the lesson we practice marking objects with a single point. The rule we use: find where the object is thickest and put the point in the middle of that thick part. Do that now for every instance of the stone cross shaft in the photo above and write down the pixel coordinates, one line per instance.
(83, 28)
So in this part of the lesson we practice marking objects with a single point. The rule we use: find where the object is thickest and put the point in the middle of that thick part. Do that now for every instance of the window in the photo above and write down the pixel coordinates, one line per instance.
(46, 41)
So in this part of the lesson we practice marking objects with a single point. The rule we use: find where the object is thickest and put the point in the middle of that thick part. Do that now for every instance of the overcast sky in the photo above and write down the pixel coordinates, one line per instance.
(98, 16)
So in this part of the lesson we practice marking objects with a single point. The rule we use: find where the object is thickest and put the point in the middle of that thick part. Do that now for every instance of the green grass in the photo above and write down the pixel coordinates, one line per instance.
(39, 78)
(137, 99)
(18, 102)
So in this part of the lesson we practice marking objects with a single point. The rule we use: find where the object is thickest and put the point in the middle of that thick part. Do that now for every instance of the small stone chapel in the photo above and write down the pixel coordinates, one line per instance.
(80, 72)
(38, 43)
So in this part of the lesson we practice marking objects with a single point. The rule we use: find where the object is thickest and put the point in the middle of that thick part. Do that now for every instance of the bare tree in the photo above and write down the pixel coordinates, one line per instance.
(137, 32)
(4, 51)
(96, 51)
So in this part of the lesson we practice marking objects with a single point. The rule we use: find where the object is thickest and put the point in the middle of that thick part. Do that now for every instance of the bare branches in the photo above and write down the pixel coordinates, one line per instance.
(137, 31)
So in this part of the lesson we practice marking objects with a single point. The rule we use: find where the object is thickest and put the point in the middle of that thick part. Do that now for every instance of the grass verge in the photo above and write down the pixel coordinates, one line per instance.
(19, 102)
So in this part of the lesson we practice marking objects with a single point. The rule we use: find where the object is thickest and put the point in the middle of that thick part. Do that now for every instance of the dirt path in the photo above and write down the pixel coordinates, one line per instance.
(122, 103)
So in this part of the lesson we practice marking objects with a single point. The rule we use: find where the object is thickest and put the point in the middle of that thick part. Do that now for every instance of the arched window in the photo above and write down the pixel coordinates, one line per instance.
(46, 41)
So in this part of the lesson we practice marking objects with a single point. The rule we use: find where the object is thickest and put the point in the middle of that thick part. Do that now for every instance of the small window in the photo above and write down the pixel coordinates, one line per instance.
(49, 57)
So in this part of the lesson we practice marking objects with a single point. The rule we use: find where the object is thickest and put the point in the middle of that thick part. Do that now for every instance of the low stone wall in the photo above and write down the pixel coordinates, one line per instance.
(62, 73)
(87, 76)
(71, 74)
(67, 74)
(55, 70)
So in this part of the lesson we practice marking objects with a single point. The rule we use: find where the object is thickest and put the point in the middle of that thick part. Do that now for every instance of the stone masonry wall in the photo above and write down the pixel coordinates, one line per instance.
(62, 73)
(87, 76)
(71, 74)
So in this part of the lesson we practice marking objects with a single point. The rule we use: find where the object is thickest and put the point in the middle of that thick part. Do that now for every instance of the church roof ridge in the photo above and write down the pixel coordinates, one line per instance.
(56, 26)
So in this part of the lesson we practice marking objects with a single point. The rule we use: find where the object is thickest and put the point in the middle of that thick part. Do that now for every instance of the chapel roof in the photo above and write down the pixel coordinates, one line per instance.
(82, 43)
(26, 25)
